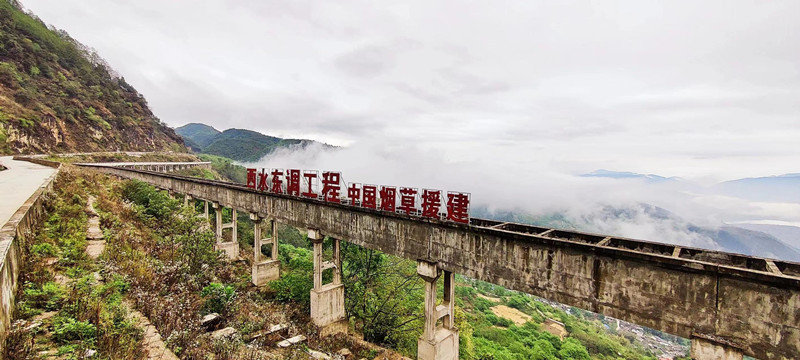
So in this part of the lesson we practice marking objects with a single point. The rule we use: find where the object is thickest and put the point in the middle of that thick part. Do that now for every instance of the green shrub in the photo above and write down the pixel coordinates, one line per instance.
(66, 329)
(44, 250)
(519, 302)
(572, 349)
(544, 350)
(501, 321)
(218, 297)
(49, 297)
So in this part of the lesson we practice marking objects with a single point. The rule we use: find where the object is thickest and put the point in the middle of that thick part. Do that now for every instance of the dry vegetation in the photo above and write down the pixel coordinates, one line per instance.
(160, 258)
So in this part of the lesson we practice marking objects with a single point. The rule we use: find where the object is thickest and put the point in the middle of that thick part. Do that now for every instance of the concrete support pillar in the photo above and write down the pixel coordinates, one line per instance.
(327, 300)
(265, 270)
(707, 348)
(231, 248)
(205, 210)
(437, 343)
(188, 200)
(171, 194)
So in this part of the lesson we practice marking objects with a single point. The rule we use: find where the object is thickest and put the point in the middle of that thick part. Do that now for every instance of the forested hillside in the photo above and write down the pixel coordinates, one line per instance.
(236, 144)
(57, 95)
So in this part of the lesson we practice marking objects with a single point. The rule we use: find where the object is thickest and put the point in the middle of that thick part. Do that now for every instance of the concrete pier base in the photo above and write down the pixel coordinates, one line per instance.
(708, 349)
(327, 309)
(264, 270)
(230, 248)
(437, 343)
(443, 346)
(327, 301)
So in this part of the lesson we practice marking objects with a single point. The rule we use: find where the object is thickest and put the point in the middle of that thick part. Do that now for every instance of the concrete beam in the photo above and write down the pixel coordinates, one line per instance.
(731, 296)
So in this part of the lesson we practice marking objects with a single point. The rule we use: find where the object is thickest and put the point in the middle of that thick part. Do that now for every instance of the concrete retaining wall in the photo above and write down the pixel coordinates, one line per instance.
(19, 230)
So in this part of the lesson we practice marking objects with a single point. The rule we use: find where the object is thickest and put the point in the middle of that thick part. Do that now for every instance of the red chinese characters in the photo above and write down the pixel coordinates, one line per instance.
(310, 176)
(331, 187)
(354, 194)
(262, 180)
(458, 207)
(277, 182)
(370, 199)
(407, 200)
(293, 182)
(388, 198)
(431, 203)
(251, 178)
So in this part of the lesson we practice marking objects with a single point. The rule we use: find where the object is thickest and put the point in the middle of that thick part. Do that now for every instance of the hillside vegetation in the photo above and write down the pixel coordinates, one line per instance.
(56, 95)
(236, 144)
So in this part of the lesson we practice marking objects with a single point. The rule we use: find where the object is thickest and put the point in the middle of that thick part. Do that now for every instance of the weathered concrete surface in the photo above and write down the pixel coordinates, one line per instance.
(18, 227)
(18, 183)
(327, 304)
(327, 300)
(443, 346)
(682, 292)
(703, 349)
(437, 343)
(265, 271)
(230, 248)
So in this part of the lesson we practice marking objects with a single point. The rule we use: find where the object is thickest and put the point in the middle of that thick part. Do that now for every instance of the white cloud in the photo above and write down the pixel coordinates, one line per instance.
(693, 89)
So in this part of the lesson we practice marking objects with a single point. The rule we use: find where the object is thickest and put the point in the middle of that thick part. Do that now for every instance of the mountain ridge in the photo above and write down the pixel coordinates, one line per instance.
(237, 144)
(58, 95)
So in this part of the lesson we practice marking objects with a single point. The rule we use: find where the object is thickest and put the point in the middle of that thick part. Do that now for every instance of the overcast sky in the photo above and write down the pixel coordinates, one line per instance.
(698, 89)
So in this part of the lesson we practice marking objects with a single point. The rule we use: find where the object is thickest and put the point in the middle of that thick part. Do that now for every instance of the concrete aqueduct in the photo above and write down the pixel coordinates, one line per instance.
(729, 305)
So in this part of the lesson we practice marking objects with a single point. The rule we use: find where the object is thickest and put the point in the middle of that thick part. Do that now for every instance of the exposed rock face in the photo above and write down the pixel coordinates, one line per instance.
(57, 95)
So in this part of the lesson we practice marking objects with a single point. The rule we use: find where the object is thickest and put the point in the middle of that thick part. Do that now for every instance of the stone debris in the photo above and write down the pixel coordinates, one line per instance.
(344, 352)
(221, 333)
(33, 325)
(89, 353)
(291, 341)
(210, 321)
(61, 279)
(318, 355)
(273, 330)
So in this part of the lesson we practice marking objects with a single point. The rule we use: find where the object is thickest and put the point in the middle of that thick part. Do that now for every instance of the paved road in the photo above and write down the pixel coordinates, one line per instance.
(18, 183)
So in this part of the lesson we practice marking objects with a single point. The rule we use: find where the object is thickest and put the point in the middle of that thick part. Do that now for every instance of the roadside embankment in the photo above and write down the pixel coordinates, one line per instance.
(20, 228)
